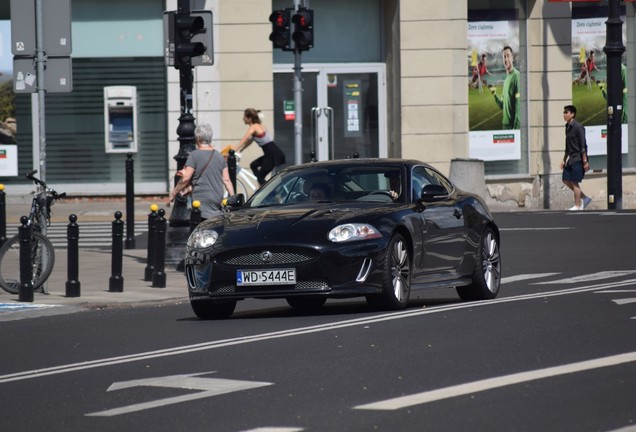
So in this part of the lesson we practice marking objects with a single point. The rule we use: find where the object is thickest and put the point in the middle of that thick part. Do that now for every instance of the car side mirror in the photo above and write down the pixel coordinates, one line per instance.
(433, 192)
(235, 201)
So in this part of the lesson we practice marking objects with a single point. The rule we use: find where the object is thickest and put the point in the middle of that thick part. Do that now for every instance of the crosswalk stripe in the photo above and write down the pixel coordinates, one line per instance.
(91, 234)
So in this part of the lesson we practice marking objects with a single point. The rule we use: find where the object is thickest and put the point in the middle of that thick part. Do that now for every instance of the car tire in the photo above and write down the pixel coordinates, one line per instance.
(487, 273)
(306, 304)
(396, 280)
(210, 310)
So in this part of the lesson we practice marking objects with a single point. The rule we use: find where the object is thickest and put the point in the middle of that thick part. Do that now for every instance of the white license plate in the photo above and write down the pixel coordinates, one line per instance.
(266, 277)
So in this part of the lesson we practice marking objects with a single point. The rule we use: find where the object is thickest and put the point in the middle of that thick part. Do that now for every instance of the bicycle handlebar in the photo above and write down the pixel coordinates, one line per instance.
(31, 176)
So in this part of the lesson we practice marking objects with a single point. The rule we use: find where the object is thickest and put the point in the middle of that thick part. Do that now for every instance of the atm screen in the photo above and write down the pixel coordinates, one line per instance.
(121, 129)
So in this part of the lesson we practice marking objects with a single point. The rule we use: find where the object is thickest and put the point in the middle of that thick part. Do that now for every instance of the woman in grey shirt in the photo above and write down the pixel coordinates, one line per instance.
(207, 169)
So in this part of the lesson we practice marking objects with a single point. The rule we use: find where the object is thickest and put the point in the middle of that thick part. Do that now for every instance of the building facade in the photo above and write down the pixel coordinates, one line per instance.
(386, 78)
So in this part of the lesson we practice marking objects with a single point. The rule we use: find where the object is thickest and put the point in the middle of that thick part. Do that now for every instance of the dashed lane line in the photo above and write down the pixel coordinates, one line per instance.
(589, 277)
(497, 382)
(522, 277)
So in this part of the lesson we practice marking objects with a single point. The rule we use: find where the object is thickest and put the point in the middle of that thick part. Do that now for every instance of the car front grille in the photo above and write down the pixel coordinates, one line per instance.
(224, 288)
(271, 256)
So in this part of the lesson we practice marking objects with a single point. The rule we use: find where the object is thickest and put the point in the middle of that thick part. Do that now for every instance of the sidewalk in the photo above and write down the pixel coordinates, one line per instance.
(95, 264)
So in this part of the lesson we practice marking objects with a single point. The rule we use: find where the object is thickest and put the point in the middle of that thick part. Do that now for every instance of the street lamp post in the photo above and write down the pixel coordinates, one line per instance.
(614, 50)
(179, 221)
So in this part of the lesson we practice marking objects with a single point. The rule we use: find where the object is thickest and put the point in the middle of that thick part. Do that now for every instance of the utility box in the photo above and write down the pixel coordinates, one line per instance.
(120, 119)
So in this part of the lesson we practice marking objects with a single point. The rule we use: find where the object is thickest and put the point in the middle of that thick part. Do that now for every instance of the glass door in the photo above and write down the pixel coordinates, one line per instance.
(344, 112)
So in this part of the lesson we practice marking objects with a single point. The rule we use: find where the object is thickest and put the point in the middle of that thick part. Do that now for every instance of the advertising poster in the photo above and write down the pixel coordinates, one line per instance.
(8, 127)
(589, 82)
(494, 99)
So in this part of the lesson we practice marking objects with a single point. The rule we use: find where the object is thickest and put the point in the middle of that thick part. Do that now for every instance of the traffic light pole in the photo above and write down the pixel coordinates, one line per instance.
(298, 101)
(614, 50)
(298, 108)
(179, 221)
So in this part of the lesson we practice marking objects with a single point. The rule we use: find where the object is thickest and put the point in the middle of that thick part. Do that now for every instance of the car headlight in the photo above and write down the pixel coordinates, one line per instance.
(353, 231)
(201, 239)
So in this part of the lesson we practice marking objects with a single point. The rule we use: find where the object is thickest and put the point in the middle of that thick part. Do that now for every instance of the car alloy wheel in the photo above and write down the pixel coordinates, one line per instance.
(486, 278)
(397, 277)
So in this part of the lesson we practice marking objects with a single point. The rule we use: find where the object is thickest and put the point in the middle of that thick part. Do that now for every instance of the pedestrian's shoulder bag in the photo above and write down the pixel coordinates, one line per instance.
(189, 189)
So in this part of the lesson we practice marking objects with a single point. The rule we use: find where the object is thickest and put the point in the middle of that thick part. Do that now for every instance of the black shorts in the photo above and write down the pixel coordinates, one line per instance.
(574, 172)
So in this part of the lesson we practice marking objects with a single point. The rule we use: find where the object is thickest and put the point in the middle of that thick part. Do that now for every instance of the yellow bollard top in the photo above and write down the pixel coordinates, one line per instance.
(154, 207)
(196, 204)
(1, 187)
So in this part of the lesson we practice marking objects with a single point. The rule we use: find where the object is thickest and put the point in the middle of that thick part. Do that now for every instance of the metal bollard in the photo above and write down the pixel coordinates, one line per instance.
(116, 283)
(195, 219)
(231, 167)
(195, 215)
(3, 215)
(72, 237)
(26, 273)
(130, 202)
(159, 276)
(152, 226)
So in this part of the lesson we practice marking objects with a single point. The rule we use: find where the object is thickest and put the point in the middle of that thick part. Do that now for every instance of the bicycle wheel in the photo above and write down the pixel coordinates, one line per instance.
(42, 261)
(241, 188)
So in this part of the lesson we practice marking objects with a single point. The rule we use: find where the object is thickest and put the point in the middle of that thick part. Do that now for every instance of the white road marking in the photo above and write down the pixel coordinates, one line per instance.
(521, 277)
(22, 306)
(492, 383)
(614, 291)
(589, 277)
(625, 429)
(90, 364)
(275, 429)
(625, 301)
(207, 387)
(536, 229)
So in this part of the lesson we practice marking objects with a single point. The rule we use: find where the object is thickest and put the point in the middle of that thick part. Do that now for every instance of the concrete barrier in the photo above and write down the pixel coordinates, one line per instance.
(468, 175)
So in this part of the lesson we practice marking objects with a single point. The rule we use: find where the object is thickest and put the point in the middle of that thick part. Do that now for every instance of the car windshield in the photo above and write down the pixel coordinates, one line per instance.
(381, 184)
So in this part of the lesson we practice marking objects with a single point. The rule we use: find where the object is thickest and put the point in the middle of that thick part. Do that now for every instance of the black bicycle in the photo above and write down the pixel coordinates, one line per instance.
(42, 253)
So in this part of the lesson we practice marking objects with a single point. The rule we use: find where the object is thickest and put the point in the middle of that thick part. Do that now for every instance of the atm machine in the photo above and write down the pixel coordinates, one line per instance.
(120, 119)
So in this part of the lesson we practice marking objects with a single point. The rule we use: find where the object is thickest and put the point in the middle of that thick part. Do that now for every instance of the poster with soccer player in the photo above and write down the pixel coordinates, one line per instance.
(589, 80)
(8, 126)
(494, 90)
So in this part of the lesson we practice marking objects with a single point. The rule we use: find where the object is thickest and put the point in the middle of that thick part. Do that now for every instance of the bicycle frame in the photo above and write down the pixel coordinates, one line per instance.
(42, 252)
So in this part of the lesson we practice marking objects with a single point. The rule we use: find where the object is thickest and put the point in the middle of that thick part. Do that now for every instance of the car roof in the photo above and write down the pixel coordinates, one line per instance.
(340, 163)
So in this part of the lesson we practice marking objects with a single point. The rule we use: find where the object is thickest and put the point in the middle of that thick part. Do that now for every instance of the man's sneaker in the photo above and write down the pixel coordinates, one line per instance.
(575, 208)
(586, 202)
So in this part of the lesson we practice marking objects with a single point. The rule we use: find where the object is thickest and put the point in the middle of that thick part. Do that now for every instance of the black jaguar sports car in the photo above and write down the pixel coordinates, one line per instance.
(378, 228)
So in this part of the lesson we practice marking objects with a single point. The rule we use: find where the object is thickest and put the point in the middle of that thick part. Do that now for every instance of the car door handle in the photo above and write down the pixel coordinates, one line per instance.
(457, 213)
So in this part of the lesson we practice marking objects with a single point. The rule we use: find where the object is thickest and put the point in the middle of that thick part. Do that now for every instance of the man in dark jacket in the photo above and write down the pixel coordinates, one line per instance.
(575, 161)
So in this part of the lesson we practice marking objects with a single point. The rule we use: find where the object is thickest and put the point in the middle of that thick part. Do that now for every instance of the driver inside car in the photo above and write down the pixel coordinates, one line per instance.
(319, 192)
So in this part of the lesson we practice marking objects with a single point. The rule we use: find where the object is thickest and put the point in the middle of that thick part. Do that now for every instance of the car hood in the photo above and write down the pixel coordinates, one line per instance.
(287, 223)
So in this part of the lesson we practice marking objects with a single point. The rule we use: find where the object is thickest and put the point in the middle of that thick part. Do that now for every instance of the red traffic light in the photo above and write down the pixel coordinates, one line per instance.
(279, 19)
(303, 19)
(281, 33)
(303, 35)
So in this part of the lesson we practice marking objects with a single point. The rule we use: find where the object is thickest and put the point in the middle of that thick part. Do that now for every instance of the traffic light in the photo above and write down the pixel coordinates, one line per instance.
(303, 35)
(185, 27)
(281, 33)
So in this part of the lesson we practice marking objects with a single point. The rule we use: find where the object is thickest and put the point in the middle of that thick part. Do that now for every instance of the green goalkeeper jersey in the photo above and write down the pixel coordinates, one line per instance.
(509, 101)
